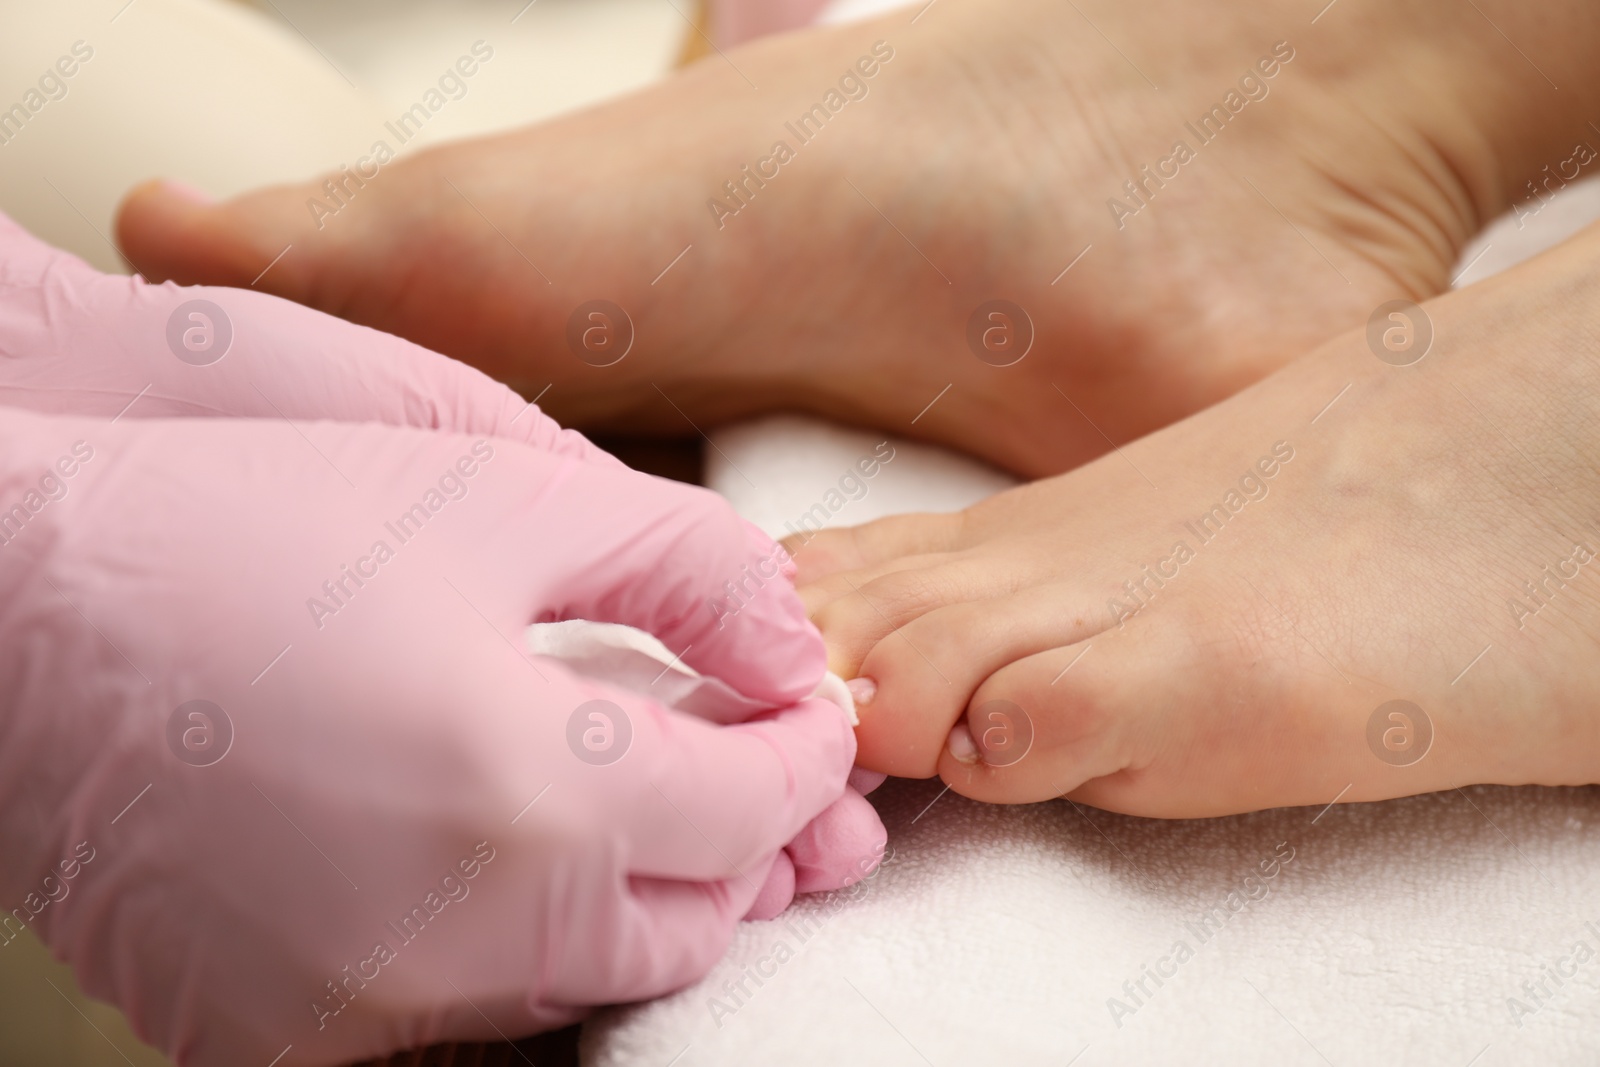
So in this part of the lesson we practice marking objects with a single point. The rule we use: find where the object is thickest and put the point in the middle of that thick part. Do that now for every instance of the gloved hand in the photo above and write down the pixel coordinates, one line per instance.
(737, 21)
(76, 341)
(386, 826)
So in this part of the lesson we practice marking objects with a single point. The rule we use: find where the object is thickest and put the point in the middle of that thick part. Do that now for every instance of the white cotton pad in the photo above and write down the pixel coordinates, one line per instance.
(638, 661)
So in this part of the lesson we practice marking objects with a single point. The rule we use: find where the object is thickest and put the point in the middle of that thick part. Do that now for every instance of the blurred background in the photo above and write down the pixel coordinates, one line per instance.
(227, 95)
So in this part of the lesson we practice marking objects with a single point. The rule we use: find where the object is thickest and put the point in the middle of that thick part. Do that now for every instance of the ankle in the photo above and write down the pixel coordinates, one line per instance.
(1467, 94)
(1480, 86)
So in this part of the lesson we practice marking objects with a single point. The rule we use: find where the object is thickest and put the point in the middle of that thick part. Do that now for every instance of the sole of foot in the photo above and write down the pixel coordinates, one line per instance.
(1006, 241)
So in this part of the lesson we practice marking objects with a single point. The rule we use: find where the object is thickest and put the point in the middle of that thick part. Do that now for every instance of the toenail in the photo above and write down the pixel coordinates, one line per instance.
(863, 690)
(961, 744)
(184, 191)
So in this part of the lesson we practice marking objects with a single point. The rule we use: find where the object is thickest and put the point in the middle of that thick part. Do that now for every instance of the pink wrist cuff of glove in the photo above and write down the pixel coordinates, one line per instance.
(736, 21)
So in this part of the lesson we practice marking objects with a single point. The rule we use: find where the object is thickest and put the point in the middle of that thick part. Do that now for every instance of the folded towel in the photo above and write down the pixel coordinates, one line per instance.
(1417, 931)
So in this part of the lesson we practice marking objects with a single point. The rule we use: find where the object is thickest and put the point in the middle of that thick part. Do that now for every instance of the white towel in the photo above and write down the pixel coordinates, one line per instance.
(1456, 928)
(1397, 933)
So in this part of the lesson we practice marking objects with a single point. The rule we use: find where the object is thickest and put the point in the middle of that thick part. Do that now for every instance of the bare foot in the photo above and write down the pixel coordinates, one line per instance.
(974, 155)
(1219, 617)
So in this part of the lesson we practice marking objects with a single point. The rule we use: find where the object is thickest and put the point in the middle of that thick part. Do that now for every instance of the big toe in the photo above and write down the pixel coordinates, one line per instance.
(1182, 712)
(169, 232)
(927, 672)
(1075, 719)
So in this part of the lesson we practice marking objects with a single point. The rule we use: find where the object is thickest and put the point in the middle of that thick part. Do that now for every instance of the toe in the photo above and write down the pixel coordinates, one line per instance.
(928, 671)
(1044, 725)
(1178, 713)
(869, 610)
(874, 544)
(821, 594)
(170, 233)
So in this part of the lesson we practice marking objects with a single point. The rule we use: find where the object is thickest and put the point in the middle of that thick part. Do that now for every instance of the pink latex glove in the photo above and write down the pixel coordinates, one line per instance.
(76, 341)
(736, 21)
(381, 751)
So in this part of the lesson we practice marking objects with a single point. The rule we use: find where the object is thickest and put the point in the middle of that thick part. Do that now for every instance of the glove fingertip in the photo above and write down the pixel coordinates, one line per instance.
(839, 847)
(760, 641)
(777, 892)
